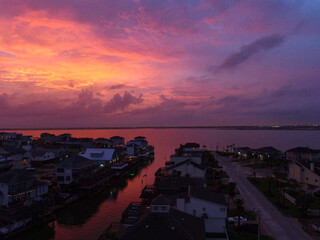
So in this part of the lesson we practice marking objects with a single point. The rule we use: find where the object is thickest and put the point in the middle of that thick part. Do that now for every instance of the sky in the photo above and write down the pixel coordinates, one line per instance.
(106, 63)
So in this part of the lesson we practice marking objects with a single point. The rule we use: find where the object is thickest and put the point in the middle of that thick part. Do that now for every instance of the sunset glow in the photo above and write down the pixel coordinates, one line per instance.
(104, 63)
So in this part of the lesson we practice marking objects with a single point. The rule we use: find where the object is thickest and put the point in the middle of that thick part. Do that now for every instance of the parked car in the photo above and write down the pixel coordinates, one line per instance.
(316, 227)
(236, 219)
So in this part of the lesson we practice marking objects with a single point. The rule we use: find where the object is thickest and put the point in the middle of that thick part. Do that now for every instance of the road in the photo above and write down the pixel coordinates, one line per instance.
(277, 225)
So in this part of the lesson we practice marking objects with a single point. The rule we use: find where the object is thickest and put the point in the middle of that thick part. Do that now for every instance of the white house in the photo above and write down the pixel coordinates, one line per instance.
(101, 156)
(42, 156)
(72, 169)
(188, 167)
(210, 205)
(18, 185)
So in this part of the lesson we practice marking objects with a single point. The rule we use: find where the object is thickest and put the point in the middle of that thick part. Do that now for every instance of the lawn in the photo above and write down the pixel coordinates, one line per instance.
(286, 207)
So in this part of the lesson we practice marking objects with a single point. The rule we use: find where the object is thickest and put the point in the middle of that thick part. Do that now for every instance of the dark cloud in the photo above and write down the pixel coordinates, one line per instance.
(121, 103)
(247, 51)
(116, 86)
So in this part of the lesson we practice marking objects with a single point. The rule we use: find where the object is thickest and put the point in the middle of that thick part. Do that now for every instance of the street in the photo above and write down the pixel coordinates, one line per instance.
(277, 225)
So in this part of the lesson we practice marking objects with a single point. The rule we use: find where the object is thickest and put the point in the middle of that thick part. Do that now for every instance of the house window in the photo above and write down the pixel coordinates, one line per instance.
(60, 178)
(68, 178)
(163, 208)
(194, 212)
(316, 180)
(60, 170)
(203, 209)
(307, 178)
(222, 209)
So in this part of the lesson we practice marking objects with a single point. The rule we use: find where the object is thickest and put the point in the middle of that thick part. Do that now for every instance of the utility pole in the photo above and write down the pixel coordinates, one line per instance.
(258, 218)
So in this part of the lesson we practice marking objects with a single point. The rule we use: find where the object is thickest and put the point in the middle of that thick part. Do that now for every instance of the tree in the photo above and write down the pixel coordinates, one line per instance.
(239, 204)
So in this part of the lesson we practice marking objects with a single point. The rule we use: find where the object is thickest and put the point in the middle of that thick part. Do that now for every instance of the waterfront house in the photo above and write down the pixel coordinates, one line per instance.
(73, 169)
(117, 141)
(209, 205)
(187, 168)
(164, 222)
(101, 156)
(41, 156)
(102, 143)
(6, 161)
(306, 173)
(136, 146)
(303, 153)
(267, 152)
(18, 185)
(244, 152)
(140, 142)
(174, 185)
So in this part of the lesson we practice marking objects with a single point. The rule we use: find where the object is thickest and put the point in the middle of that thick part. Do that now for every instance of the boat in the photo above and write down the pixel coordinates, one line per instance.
(16, 225)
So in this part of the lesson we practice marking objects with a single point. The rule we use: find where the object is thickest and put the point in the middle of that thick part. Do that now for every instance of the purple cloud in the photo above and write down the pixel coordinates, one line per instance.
(121, 103)
(247, 51)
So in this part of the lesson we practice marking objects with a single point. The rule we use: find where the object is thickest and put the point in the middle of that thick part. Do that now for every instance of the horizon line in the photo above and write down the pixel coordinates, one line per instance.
(231, 127)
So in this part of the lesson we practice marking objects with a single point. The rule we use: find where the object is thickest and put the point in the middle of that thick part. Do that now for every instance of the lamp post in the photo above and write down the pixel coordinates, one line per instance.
(258, 220)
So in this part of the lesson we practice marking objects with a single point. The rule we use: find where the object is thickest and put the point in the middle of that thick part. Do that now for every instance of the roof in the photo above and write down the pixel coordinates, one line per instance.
(16, 176)
(106, 154)
(116, 137)
(307, 164)
(179, 182)
(207, 195)
(180, 163)
(244, 148)
(194, 150)
(267, 150)
(75, 162)
(174, 225)
(161, 200)
(196, 165)
(303, 150)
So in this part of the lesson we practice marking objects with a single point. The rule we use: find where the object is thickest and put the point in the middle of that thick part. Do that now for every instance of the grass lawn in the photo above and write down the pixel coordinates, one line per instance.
(286, 207)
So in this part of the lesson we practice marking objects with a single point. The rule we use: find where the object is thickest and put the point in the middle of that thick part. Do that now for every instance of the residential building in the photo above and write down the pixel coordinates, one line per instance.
(117, 141)
(303, 153)
(164, 222)
(188, 168)
(6, 161)
(206, 204)
(18, 185)
(306, 173)
(40, 156)
(101, 156)
(73, 169)
(267, 152)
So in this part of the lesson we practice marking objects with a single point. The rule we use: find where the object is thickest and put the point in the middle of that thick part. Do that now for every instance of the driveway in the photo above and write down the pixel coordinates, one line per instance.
(277, 225)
